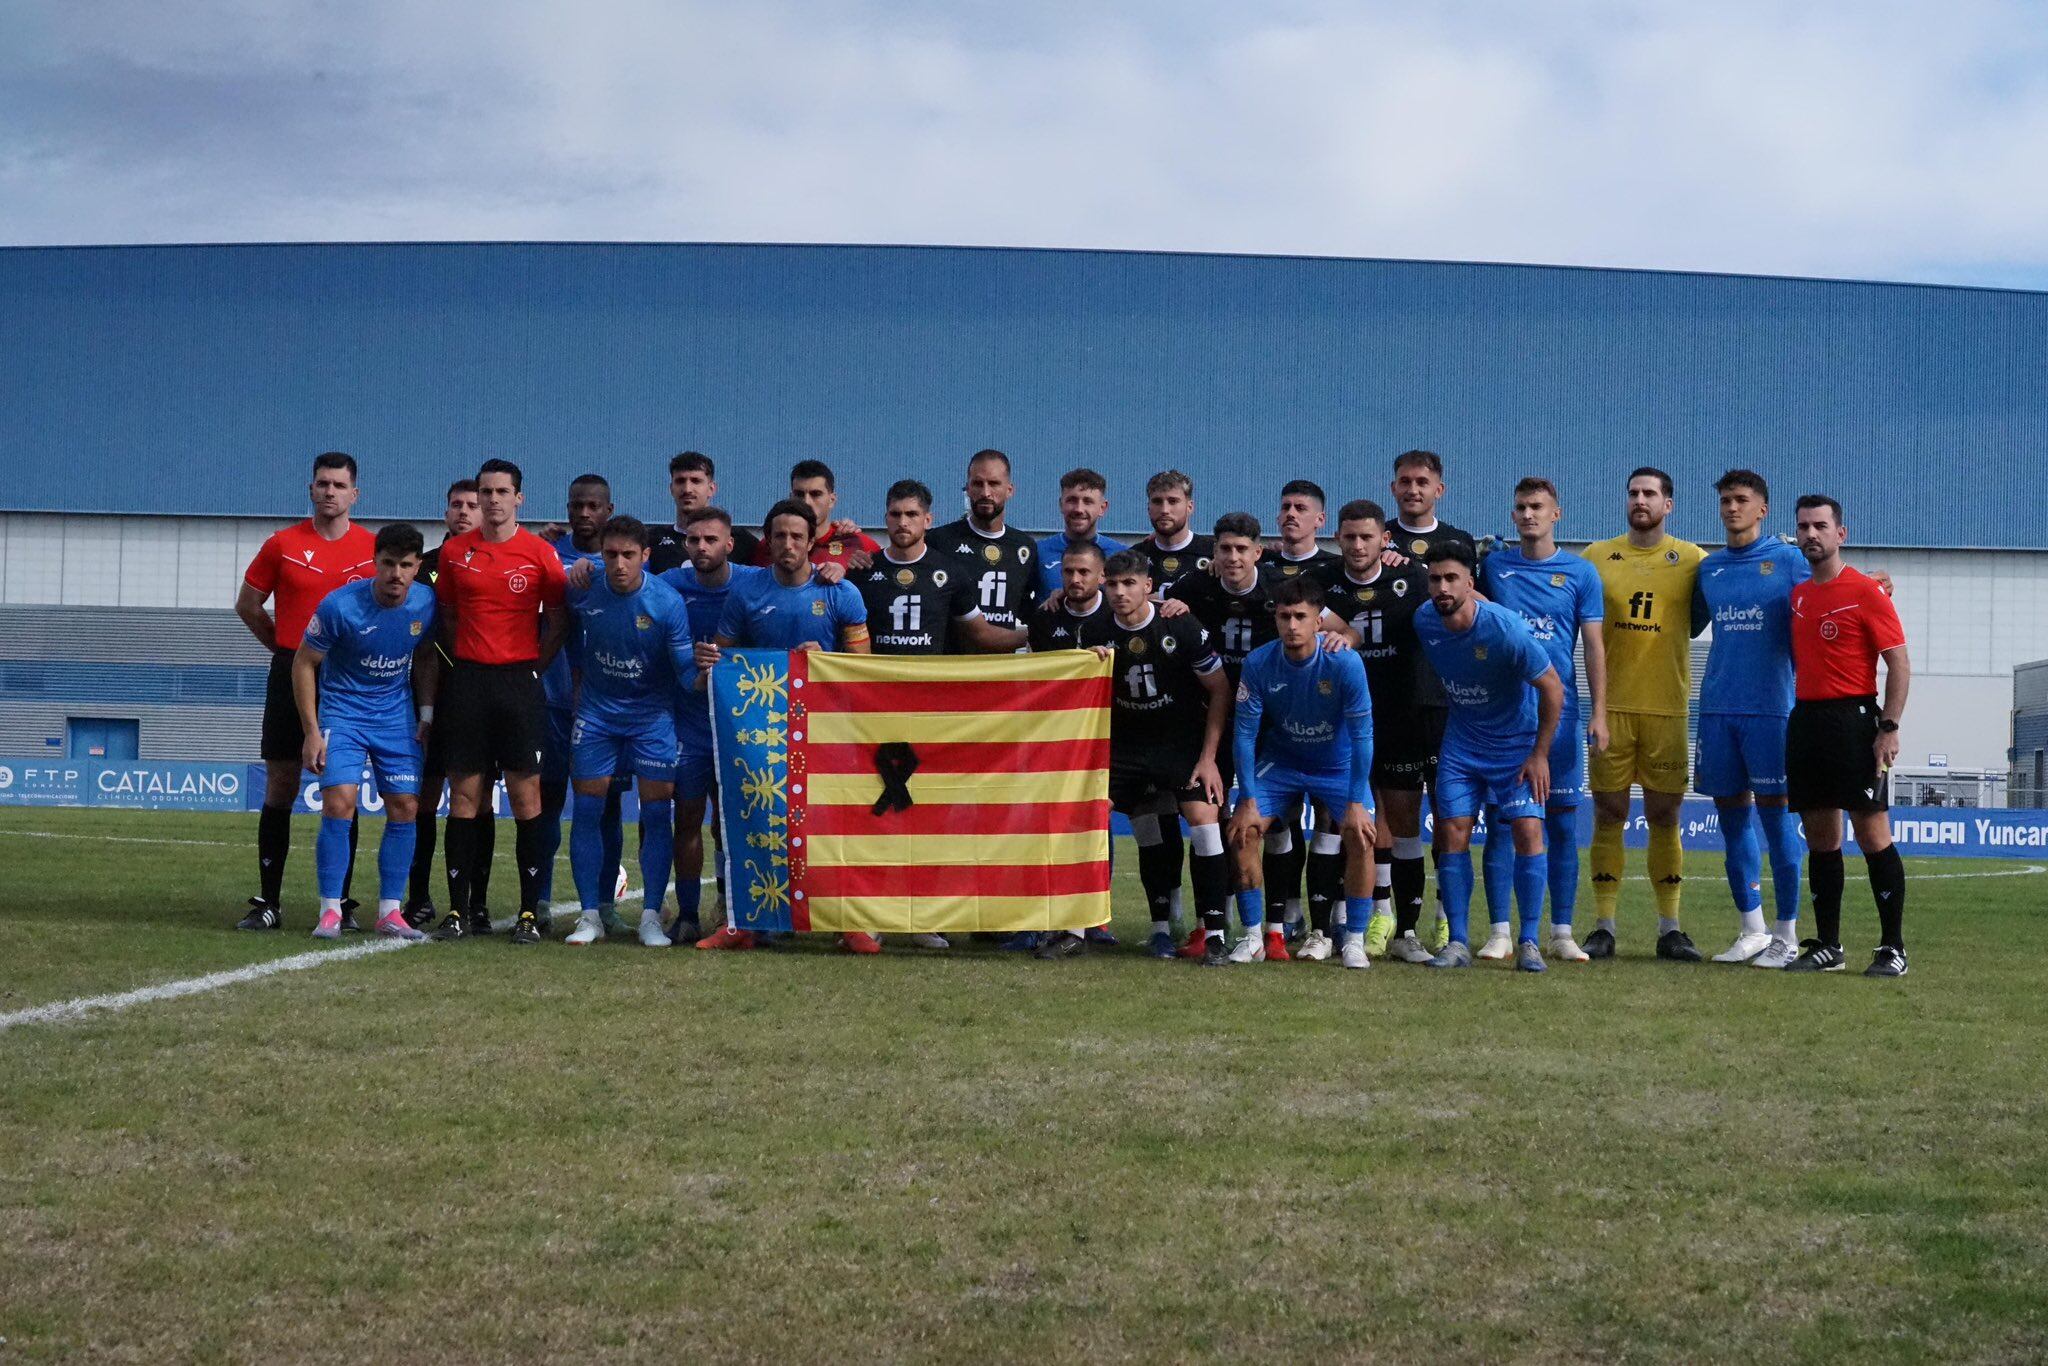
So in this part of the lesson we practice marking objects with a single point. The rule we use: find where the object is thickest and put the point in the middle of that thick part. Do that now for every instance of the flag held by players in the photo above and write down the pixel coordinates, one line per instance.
(911, 795)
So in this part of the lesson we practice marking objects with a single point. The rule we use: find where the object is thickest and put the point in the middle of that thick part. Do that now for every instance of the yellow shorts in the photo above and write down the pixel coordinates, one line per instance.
(1651, 750)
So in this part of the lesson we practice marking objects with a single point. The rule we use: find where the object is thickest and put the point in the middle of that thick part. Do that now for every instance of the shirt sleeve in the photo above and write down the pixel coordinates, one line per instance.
(1195, 639)
(1592, 603)
(848, 607)
(1529, 654)
(430, 615)
(554, 580)
(324, 626)
(1358, 720)
(732, 618)
(966, 600)
(1244, 738)
(262, 572)
(682, 649)
(1887, 632)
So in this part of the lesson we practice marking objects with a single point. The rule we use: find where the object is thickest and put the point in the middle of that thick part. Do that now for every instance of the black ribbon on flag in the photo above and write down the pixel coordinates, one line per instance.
(894, 763)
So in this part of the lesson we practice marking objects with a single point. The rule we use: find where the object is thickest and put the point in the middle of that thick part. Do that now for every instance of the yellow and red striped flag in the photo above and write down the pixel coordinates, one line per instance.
(955, 793)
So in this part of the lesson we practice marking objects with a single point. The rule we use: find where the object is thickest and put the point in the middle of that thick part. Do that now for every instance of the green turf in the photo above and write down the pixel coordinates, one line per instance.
(459, 1152)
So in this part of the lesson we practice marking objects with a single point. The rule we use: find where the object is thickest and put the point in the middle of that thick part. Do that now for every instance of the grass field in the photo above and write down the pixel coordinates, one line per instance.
(458, 1152)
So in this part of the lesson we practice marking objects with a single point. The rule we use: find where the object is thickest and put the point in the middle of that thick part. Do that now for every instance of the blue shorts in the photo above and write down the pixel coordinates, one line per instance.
(602, 749)
(696, 767)
(1741, 754)
(554, 748)
(1279, 789)
(1467, 782)
(391, 751)
(1567, 762)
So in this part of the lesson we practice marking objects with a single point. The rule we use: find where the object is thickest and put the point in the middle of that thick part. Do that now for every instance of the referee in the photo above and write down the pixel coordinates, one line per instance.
(501, 596)
(1840, 744)
(295, 569)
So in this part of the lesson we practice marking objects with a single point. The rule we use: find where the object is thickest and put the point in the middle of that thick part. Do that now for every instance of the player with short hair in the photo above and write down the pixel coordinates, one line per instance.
(791, 607)
(838, 541)
(1418, 488)
(296, 567)
(919, 602)
(1303, 734)
(1005, 577)
(1084, 498)
(355, 681)
(1302, 515)
(1378, 599)
(1649, 580)
(501, 601)
(1079, 617)
(704, 584)
(1173, 550)
(1171, 704)
(1839, 743)
(1506, 698)
(1745, 697)
(633, 656)
(1559, 595)
(693, 485)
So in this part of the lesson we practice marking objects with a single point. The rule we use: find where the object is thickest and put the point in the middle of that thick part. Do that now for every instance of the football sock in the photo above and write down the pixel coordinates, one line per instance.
(1382, 884)
(1824, 875)
(1781, 836)
(1497, 867)
(657, 851)
(1888, 884)
(1251, 909)
(1162, 927)
(554, 799)
(1531, 871)
(1357, 910)
(394, 858)
(390, 910)
(1667, 873)
(419, 889)
(1606, 860)
(586, 846)
(689, 892)
(273, 844)
(348, 871)
(1408, 882)
(1209, 871)
(614, 828)
(1158, 862)
(458, 852)
(1326, 881)
(1454, 881)
(330, 858)
(526, 845)
(1742, 857)
(1561, 842)
(1282, 869)
(485, 824)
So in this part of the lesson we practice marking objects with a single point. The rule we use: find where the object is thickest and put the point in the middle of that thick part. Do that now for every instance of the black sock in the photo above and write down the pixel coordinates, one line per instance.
(1159, 870)
(348, 878)
(1210, 874)
(1824, 879)
(459, 848)
(419, 886)
(526, 842)
(486, 825)
(273, 845)
(1325, 889)
(1282, 873)
(1888, 884)
(1409, 881)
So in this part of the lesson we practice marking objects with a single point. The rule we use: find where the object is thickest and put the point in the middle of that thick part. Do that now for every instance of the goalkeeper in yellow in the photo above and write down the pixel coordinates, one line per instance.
(1649, 581)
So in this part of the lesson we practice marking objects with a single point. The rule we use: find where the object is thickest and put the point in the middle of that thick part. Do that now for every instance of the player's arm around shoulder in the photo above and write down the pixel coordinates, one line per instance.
(322, 626)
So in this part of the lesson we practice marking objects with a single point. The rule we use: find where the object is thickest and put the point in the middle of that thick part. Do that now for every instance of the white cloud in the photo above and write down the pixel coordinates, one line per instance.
(1897, 140)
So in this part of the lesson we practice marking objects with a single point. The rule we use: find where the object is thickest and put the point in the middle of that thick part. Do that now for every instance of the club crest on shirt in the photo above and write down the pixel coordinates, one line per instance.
(416, 627)
(1767, 568)
(1367, 595)
(992, 553)
(905, 577)
(1244, 694)
(1400, 588)
(1479, 652)
(817, 607)
(1557, 580)
(1171, 564)
(1418, 546)
(643, 621)
(1137, 645)
(517, 583)
(836, 549)
(1023, 554)
(1671, 557)
(1323, 686)
(938, 578)
(1170, 644)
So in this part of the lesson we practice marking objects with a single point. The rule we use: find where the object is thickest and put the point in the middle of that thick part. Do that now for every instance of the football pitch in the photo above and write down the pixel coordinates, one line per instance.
(462, 1152)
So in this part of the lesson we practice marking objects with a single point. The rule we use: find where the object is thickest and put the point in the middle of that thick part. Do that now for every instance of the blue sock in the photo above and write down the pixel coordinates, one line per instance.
(1561, 838)
(1741, 857)
(1454, 882)
(586, 847)
(394, 858)
(657, 850)
(1357, 910)
(1251, 908)
(330, 857)
(1497, 865)
(1531, 872)
(614, 847)
(1781, 832)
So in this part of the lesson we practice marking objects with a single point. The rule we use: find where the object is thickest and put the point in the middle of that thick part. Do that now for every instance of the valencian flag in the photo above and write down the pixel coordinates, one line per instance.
(905, 795)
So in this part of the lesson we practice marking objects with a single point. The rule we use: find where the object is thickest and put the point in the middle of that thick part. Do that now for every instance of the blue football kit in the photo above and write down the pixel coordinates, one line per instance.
(366, 702)
(634, 654)
(763, 612)
(706, 608)
(1052, 548)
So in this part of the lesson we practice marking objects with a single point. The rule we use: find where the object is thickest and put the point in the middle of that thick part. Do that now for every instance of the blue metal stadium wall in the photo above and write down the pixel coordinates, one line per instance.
(200, 379)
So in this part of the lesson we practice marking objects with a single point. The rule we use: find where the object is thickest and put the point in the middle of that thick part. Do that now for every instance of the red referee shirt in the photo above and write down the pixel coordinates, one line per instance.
(1839, 628)
(827, 549)
(496, 590)
(299, 567)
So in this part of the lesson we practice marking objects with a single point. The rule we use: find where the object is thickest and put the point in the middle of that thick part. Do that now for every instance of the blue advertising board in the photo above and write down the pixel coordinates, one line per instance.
(152, 785)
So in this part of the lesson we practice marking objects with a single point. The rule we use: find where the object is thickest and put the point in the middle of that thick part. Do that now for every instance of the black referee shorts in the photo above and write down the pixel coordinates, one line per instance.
(284, 739)
(490, 719)
(1830, 757)
(1404, 748)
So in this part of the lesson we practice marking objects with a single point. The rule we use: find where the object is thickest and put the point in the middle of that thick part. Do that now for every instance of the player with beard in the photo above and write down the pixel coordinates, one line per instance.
(1173, 550)
(840, 541)
(918, 600)
(1289, 849)
(1078, 619)
(693, 484)
(1084, 498)
(1003, 559)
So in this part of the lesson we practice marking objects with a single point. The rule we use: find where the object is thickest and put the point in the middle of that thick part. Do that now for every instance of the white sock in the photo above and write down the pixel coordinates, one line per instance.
(1753, 921)
(1605, 922)
(1788, 933)
(1355, 937)
(1162, 927)
(1216, 935)
(1500, 927)
(387, 908)
(1665, 925)
(330, 905)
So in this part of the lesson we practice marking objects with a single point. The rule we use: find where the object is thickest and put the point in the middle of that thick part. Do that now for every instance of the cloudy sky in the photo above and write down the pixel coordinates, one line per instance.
(1873, 139)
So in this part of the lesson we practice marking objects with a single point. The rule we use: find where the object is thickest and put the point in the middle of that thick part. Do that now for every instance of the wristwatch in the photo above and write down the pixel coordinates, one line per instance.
(1886, 726)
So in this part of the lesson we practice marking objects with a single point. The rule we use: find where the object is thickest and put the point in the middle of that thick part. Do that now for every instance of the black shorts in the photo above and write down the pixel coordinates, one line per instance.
(1139, 778)
(1404, 748)
(284, 739)
(1831, 759)
(490, 719)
